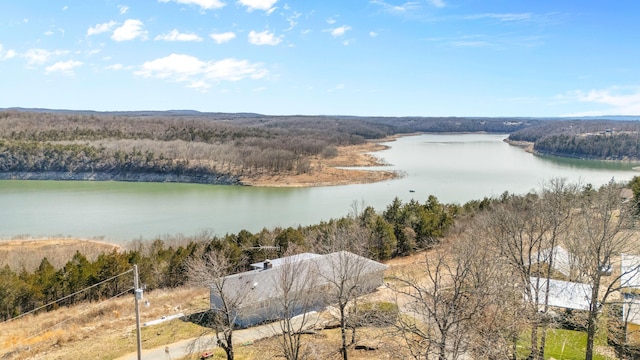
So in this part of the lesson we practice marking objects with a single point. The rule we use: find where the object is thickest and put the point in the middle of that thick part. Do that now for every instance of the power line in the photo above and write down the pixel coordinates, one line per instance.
(66, 297)
(75, 316)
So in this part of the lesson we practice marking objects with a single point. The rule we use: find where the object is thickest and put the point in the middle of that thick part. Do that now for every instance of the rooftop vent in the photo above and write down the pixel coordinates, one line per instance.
(267, 265)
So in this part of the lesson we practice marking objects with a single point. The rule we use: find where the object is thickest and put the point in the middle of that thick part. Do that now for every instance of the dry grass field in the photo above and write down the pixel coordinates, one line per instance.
(103, 330)
(28, 253)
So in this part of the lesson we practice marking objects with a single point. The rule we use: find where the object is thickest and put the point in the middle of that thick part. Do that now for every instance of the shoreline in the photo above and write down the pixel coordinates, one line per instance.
(347, 168)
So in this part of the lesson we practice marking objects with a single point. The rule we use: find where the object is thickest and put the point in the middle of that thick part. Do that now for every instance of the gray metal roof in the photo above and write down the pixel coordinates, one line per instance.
(311, 270)
(285, 260)
(564, 294)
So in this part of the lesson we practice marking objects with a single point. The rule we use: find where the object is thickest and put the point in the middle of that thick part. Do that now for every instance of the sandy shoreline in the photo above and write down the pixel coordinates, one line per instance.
(331, 172)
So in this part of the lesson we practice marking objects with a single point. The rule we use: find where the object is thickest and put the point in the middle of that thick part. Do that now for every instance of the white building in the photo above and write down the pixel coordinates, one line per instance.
(260, 289)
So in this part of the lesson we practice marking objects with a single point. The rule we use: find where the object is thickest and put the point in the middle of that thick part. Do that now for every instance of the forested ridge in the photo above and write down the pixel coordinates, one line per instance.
(202, 147)
(584, 139)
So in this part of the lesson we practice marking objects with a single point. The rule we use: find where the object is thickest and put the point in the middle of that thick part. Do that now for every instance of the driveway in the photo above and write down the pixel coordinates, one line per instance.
(183, 348)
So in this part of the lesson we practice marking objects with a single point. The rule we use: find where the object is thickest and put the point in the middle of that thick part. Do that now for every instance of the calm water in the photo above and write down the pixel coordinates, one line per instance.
(455, 168)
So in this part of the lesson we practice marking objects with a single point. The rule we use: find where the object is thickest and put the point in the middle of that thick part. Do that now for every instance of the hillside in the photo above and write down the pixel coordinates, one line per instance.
(596, 139)
(212, 148)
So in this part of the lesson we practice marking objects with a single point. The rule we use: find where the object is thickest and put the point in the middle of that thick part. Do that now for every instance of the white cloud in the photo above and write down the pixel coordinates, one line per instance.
(204, 4)
(41, 56)
(224, 37)
(65, 67)
(397, 9)
(131, 29)
(266, 5)
(619, 100)
(437, 3)
(6, 55)
(64, 8)
(339, 31)
(197, 73)
(100, 28)
(502, 17)
(336, 88)
(373, 34)
(201, 86)
(263, 38)
(48, 33)
(331, 21)
(175, 35)
(293, 21)
(123, 9)
(115, 67)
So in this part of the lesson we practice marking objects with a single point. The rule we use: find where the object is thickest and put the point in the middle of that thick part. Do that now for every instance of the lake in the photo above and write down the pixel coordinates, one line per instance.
(455, 168)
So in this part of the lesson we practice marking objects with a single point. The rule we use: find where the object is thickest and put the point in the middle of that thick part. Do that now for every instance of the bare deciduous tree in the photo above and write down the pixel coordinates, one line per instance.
(295, 284)
(444, 298)
(226, 301)
(602, 233)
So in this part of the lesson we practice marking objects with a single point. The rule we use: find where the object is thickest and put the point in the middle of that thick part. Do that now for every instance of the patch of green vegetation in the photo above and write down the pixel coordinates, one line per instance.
(562, 345)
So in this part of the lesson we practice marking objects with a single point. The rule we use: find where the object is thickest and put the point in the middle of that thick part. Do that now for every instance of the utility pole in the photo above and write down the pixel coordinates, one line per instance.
(138, 295)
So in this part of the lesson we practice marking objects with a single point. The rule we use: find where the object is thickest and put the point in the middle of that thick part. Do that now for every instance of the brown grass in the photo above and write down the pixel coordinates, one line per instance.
(104, 330)
(28, 253)
(326, 172)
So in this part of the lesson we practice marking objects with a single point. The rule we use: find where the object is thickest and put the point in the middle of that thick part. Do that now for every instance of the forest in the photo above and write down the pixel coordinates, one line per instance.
(199, 147)
(584, 139)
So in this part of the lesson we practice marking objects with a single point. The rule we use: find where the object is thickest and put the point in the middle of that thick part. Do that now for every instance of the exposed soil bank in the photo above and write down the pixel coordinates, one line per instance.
(322, 172)
(218, 179)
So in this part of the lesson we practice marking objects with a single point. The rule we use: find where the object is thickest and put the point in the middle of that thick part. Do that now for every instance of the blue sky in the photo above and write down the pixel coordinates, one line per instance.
(333, 57)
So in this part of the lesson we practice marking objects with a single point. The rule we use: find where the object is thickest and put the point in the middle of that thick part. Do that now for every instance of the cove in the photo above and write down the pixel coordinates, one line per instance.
(455, 168)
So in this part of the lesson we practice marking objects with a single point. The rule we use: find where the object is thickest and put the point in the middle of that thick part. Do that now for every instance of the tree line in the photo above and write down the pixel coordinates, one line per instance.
(197, 143)
(585, 139)
(162, 262)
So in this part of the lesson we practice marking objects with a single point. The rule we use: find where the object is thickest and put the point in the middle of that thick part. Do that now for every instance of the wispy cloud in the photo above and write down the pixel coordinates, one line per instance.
(437, 3)
(293, 21)
(506, 17)
(65, 67)
(336, 88)
(397, 9)
(130, 30)
(100, 28)
(264, 38)
(199, 74)
(222, 38)
(6, 55)
(123, 9)
(498, 42)
(203, 4)
(175, 35)
(41, 56)
(115, 67)
(339, 31)
(266, 5)
(619, 100)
